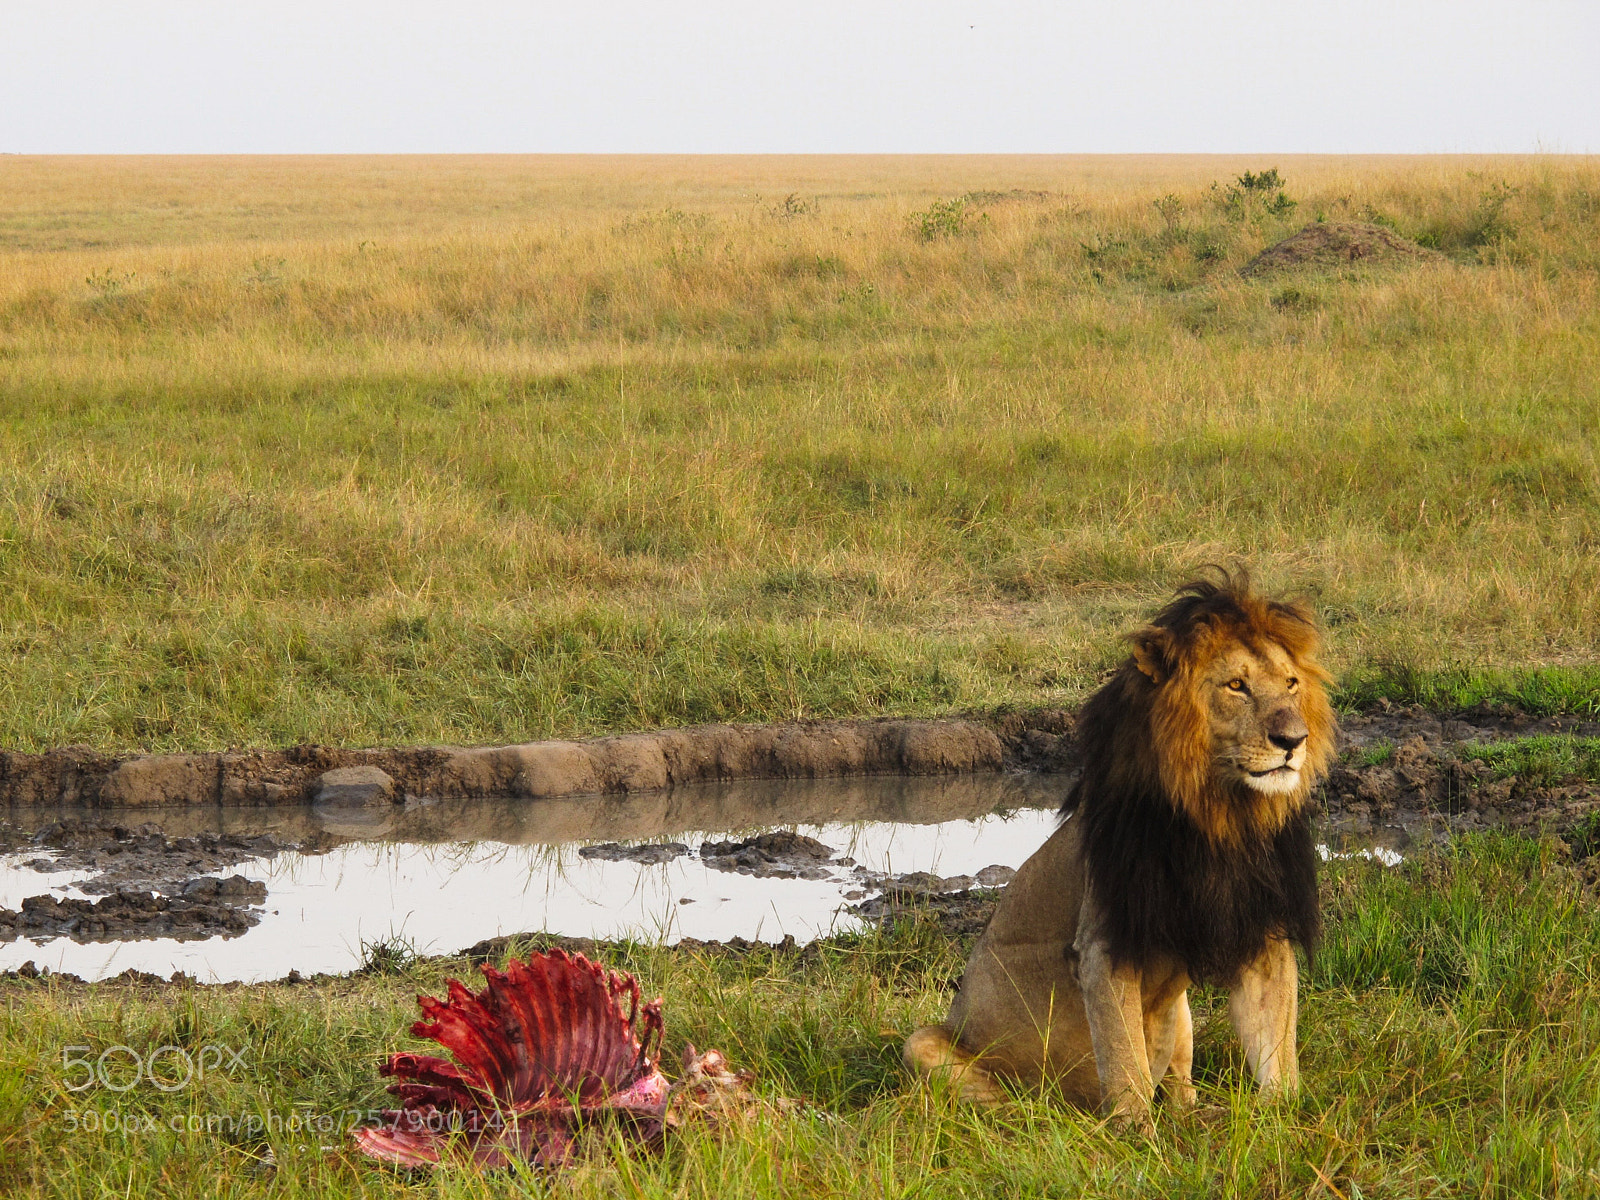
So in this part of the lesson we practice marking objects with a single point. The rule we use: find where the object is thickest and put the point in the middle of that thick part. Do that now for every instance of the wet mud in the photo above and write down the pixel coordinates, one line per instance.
(204, 908)
(1405, 768)
(786, 854)
(149, 885)
(138, 857)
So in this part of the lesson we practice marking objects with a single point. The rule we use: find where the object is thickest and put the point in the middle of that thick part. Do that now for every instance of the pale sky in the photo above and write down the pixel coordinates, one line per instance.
(798, 76)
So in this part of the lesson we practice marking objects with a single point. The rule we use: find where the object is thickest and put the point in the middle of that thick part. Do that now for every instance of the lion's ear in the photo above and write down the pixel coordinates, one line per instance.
(1152, 652)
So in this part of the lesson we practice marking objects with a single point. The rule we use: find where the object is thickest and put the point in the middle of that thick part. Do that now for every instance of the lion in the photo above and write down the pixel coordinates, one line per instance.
(1184, 855)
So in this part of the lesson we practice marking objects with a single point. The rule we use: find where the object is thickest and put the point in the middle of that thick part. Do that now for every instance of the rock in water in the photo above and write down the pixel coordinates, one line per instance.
(355, 786)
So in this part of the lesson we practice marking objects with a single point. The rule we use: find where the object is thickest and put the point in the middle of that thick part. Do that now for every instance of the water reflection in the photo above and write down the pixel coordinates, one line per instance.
(446, 874)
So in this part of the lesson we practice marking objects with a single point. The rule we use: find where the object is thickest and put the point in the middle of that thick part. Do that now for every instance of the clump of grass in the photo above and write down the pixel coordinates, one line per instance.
(1294, 299)
(1584, 836)
(1379, 753)
(392, 955)
(1541, 760)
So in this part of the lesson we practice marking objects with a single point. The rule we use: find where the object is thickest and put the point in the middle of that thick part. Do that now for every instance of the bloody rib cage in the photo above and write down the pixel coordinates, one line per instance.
(547, 1047)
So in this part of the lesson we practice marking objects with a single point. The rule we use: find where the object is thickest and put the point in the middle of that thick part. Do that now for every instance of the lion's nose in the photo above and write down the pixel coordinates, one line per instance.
(1286, 729)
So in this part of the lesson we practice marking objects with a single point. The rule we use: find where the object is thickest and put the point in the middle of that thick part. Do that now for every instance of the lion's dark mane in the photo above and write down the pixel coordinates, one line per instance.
(1162, 886)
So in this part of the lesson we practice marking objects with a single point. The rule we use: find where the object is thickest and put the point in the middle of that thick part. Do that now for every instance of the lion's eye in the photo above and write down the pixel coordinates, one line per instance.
(1293, 683)
(1237, 685)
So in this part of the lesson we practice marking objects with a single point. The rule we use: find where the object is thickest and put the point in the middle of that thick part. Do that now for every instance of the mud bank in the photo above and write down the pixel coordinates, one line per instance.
(1407, 766)
(1424, 773)
(636, 762)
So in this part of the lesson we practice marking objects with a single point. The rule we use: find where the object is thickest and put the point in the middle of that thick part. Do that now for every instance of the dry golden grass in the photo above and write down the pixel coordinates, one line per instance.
(365, 449)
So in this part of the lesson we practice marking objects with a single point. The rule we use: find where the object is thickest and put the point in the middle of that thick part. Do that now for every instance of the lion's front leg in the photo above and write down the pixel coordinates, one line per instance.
(1263, 1010)
(1113, 1003)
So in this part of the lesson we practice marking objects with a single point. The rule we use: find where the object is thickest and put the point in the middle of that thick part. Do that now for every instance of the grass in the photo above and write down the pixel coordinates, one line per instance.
(1541, 760)
(1378, 754)
(1541, 691)
(1449, 1030)
(473, 450)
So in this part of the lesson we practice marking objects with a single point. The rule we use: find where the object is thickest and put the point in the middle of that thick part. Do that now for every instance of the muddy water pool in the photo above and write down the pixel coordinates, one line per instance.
(440, 876)
(316, 887)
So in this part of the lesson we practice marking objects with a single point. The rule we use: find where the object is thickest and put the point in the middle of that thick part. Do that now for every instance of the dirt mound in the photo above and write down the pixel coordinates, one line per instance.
(1329, 244)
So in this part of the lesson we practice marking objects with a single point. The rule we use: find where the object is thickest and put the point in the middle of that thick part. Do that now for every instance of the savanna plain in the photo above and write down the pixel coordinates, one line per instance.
(378, 451)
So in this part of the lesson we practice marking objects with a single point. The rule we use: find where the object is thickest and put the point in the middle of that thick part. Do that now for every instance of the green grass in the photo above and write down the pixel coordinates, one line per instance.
(1449, 1029)
(1377, 754)
(1546, 691)
(1542, 760)
(361, 451)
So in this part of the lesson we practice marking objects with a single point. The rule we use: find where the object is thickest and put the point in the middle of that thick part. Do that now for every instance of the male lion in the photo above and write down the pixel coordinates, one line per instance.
(1185, 855)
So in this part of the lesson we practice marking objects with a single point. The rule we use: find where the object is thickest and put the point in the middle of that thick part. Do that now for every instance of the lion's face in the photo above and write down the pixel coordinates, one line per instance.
(1240, 721)
(1259, 733)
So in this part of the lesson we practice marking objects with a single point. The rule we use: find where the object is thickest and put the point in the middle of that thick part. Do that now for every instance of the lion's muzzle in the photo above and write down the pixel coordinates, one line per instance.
(1286, 729)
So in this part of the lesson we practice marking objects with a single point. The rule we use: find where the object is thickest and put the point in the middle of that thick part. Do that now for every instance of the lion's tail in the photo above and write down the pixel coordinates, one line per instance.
(933, 1053)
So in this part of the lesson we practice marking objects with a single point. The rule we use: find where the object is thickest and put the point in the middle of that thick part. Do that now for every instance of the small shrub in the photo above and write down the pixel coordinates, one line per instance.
(1252, 193)
(1486, 225)
(792, 207)
(1490, 223)
(109, 283)
(1171, 209)
(1208, 248)
(1260, 182)
(1280, 205)
(1292, 299)
(945, 219)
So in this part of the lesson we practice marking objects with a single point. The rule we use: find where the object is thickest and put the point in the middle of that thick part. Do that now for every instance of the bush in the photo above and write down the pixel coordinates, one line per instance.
(1486, 225)
(945, 219)
(1255, 192)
